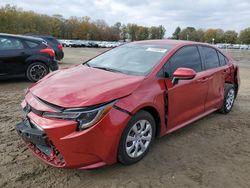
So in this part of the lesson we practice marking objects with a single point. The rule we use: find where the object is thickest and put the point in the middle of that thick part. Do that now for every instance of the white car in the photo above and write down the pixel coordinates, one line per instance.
(244, 47)
(67, 43)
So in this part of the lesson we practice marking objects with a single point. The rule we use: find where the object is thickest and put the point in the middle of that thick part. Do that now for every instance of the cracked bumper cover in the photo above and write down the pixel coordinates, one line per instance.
(68, 148)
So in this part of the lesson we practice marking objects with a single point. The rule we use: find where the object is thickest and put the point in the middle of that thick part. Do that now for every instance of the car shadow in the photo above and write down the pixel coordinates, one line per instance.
(21, 79)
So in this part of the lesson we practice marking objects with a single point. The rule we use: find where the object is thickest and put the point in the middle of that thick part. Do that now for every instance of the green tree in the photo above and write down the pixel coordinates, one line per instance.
(157, 32)
(124, 32)
(210, 35)
(245, 36)
(142, 33)
(132, 29)
(189, 33)
(162, 31)
(219, 36)
(200, 35)
(176, 34)
(230, 37)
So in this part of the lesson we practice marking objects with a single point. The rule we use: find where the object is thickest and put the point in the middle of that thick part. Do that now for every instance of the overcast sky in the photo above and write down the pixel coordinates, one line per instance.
(225, 14)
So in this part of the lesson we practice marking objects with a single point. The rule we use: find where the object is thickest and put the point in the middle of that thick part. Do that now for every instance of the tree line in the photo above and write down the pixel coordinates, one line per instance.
(212, 35)
(17, 21)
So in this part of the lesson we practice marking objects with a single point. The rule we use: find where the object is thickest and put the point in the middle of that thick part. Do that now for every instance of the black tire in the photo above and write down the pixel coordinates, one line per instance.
(229, 92)
(123, 156)
(36, 71)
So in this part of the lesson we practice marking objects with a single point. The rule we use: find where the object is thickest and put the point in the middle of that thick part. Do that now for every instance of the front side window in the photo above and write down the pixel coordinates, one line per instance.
(186, 57)
(134, 59)
(10, 44)
(211, 57)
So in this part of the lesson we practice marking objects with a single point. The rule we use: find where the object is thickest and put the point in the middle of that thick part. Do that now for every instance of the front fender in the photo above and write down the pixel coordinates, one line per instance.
(150, 94)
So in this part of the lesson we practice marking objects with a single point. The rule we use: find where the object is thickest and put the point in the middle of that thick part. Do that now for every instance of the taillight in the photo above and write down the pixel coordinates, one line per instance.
(49, 51)
(60, 47)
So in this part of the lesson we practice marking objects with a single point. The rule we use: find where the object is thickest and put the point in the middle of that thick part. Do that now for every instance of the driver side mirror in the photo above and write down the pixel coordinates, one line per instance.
(183, 74)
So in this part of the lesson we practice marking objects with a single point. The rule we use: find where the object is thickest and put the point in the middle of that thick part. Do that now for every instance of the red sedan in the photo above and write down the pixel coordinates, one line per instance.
(112, 107)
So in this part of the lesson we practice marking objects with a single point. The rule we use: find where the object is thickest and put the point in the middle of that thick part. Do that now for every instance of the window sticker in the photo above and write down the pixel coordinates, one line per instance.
(160, 50)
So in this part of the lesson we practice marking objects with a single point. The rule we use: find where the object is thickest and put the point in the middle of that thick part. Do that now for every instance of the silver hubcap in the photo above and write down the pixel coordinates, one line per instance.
(37, 72)
(230, 99)
(138, 138)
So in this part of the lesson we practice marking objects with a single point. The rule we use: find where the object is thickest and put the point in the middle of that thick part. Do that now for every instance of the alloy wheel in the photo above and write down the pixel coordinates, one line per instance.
(138, 138)
(230, 99)
(37, 72)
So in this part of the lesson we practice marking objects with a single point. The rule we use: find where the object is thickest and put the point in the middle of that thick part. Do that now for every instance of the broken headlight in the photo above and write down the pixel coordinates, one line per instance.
(85, 118)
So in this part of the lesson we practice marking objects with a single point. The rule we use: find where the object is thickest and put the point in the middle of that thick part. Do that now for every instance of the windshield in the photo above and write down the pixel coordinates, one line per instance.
(135, 59)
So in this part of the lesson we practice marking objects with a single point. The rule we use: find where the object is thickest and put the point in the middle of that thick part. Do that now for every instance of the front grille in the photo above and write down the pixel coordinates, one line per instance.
(29, 108)
(47, 152)
(38, 141)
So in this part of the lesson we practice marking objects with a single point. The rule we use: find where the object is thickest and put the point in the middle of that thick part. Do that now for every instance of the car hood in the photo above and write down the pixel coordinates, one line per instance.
(84, 86)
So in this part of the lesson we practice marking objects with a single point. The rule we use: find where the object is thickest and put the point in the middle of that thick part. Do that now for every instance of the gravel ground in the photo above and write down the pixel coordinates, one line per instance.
(212, 152)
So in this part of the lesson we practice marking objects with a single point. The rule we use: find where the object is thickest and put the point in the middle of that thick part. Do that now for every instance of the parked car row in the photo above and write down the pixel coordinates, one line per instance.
(89, 44)
(233, 46)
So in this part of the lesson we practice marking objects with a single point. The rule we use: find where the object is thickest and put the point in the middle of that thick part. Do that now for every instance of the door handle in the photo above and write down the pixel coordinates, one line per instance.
(202, 80)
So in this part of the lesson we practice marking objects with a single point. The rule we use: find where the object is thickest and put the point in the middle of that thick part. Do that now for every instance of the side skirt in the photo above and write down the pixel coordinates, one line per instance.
(191, 121)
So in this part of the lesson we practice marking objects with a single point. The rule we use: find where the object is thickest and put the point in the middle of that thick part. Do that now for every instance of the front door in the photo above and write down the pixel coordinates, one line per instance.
(186, 99)
(12, 55)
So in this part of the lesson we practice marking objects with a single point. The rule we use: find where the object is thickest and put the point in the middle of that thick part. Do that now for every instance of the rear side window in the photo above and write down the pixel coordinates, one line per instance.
(226, 60)
(186, 57)
(32, 44)
(222, 59)
(53, 40)
(10, 44)
(211, 57)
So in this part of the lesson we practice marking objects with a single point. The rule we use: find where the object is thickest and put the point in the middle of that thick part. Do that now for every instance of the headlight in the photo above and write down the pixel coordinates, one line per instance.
(85, 118)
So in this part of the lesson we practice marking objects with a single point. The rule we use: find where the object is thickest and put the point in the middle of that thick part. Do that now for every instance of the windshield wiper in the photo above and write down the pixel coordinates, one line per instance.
(87, 64)
(108, 69)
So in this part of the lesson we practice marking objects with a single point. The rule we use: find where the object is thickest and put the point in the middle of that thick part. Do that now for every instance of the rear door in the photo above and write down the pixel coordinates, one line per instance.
(216, 80)
(12, 55)
(186, 99)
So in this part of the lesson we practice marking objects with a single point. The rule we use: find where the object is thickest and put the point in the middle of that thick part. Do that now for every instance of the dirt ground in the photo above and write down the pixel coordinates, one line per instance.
(212, 152)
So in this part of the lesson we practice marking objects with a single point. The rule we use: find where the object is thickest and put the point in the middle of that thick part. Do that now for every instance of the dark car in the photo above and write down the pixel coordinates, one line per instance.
(23, 55)
(54, 43)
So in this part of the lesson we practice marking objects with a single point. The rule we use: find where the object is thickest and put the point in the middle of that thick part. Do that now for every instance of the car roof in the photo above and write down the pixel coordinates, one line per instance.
(37, 35)
(22, 37)
(50, 39)
(170, 42)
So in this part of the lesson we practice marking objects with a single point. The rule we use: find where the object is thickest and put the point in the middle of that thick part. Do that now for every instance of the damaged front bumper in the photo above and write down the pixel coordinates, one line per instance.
(39, 143)
(59, 143)
(30, 133)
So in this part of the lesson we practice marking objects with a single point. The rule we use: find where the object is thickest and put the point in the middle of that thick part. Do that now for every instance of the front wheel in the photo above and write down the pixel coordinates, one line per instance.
(137, 138)
(229, 97)
(36, 71)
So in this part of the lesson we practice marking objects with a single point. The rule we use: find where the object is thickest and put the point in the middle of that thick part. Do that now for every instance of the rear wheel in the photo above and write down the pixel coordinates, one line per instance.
(229, 97)
(36, 71)
(137, 138)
